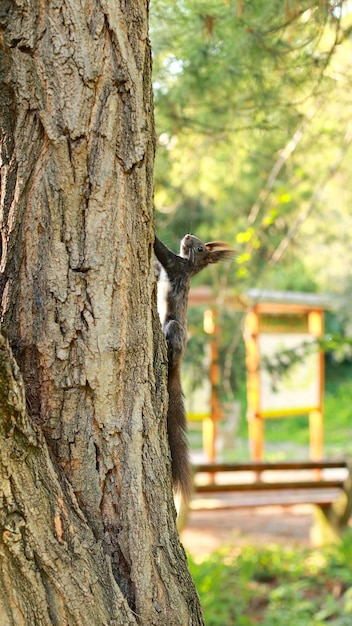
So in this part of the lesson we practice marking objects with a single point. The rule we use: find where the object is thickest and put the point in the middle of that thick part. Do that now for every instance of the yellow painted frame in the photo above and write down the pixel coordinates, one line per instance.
(255, 415)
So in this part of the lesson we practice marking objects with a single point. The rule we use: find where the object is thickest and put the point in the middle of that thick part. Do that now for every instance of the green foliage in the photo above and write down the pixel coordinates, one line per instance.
(276, 585)
(252, 114)
(254, 134)
(337, 409)
(334, 345)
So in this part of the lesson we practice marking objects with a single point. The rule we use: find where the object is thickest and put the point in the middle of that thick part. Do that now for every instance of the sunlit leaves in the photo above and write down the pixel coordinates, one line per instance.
(252, 108)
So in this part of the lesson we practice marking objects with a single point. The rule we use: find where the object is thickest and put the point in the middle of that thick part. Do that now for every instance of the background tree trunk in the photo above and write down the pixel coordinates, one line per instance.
(78, 307)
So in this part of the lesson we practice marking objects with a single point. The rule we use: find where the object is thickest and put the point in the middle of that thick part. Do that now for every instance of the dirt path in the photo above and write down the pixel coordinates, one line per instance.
(208, 530)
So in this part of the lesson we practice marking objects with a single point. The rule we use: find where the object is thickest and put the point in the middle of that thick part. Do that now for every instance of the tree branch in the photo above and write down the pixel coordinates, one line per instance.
(284, 155)
(318, 192)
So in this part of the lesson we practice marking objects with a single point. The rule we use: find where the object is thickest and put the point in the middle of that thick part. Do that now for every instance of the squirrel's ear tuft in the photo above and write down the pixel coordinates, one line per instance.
(219, 251)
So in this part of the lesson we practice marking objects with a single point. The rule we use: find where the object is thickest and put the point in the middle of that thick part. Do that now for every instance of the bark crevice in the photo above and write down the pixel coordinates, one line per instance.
(78, 308)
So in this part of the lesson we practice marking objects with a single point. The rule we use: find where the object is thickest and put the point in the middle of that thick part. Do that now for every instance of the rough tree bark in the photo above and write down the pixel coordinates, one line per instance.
(87, 520)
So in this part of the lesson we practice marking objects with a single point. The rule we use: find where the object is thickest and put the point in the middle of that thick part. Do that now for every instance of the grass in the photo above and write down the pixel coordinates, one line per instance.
(276, 586)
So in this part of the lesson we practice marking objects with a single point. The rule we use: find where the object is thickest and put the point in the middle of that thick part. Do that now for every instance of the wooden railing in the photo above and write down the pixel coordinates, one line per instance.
(326, 484)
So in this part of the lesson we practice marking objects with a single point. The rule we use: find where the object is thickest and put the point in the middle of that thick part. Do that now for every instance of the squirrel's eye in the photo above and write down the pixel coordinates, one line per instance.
(200, 249)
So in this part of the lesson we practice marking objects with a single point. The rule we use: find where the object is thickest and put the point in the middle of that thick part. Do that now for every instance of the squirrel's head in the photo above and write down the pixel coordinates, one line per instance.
(200, 254)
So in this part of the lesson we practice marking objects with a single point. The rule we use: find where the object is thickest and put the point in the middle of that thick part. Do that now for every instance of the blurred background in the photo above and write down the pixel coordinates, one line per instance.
(253, 105)
(253, 119)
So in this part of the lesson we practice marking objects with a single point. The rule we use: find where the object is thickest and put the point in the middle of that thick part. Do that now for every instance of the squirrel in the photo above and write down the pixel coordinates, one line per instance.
(174, 273)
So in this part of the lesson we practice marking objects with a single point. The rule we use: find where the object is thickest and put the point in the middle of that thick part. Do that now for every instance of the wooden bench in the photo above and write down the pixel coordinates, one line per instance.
(325, 484)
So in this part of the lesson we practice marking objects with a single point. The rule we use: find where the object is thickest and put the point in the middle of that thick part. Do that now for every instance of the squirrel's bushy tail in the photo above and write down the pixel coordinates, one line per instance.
(177, 428)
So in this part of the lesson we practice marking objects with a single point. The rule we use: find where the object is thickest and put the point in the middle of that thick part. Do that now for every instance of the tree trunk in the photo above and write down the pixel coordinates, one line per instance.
(88, 524)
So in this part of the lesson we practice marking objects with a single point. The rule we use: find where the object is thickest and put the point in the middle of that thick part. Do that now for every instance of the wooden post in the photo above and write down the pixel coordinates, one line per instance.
(210, 424)
(316, 434)
(209, 438)
(316, 426)
(331, 522)
(256, 437)
(255, 421)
